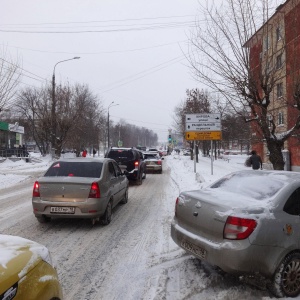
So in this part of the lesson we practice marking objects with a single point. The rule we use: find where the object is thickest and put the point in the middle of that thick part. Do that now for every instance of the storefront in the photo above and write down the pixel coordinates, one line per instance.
(11, 136)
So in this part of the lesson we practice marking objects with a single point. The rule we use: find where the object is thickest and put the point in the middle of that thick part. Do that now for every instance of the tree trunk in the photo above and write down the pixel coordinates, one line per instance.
(276, 157)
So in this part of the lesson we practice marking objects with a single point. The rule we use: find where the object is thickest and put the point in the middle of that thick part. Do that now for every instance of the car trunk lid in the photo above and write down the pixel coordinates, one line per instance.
(205, 212)
(73, 189)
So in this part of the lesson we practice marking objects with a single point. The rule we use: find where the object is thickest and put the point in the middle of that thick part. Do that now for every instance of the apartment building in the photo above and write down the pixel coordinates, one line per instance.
(275, 58)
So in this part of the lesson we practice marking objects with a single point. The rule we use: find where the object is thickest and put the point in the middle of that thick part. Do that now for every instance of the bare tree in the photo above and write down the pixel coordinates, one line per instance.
(77, 117)
(220, 58)
(10, 73)
(196, 102)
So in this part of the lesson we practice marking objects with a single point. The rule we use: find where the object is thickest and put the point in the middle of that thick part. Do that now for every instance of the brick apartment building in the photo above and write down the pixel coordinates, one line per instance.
(275, 47)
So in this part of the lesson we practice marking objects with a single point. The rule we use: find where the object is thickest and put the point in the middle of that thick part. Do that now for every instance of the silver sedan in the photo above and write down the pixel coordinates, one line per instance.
(80, 188)
(245, 223)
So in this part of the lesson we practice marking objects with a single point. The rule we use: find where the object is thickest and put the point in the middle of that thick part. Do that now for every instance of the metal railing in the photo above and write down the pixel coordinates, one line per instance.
(14, 152)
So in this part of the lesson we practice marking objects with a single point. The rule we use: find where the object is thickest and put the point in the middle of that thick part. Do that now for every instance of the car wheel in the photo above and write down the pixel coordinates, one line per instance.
(286, 280)
(106, 219)
(43, 219)
(125, 199)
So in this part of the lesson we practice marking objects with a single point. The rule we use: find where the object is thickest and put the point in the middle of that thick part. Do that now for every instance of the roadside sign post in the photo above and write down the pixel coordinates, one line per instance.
(203, 127)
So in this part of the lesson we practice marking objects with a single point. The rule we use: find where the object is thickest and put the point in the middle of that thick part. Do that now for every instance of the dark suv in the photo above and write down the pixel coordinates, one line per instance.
(131, 160)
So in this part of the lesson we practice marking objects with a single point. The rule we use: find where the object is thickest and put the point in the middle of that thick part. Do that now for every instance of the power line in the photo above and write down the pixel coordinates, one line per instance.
(100, 52)
(156, 68)
(101, 21)
(145, 27)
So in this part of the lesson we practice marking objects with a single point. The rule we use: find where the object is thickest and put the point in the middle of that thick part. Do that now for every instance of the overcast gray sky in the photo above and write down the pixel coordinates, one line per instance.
(131, 51)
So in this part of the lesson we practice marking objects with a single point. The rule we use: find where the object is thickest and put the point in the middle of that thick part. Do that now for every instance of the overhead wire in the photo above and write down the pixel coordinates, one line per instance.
(99, 21)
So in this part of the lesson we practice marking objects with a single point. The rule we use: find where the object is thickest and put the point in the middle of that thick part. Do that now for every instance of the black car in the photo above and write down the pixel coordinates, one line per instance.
(131, 160)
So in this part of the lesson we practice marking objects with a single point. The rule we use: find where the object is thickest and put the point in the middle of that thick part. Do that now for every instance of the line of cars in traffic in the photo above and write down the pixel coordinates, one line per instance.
(91, 187)
(246, 223)
(70, 188)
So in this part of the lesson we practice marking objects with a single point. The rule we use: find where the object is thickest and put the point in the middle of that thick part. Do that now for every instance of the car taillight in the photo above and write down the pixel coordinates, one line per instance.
(159, 162)
(94, 191)
(136, 164)
(238, 228)
(176, 203)
(36, 190)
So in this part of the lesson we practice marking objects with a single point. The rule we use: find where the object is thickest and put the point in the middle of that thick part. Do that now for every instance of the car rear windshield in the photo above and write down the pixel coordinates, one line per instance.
(258, 186)
(151, 156)
(120, 154)
(76, 169)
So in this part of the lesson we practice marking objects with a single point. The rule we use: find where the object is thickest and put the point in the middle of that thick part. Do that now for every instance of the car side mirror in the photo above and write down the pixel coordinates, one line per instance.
(162, 158)
(125, 172)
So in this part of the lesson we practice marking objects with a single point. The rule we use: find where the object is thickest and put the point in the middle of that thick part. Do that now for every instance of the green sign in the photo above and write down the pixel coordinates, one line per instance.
(120, 143)
(3, 126)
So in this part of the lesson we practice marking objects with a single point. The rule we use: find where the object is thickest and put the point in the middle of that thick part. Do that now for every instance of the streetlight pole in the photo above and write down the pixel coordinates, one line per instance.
(53, 107)
(110, 105)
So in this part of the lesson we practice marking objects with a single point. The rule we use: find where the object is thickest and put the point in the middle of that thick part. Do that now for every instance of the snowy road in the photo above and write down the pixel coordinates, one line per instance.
(131, 258)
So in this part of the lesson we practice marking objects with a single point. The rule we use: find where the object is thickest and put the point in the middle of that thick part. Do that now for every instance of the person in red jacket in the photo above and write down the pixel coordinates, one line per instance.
(84, 153)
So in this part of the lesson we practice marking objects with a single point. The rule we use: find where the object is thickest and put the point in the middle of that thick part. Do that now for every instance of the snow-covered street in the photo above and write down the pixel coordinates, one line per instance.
(134, 256)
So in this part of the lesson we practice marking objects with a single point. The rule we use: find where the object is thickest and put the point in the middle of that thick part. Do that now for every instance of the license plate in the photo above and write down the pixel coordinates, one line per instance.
(193, 249)
(62, 210)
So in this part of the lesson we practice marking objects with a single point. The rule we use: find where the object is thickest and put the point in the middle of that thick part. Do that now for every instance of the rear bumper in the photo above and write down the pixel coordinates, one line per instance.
(150, 168)
(92, 208)
(235, 257)
(133, 175)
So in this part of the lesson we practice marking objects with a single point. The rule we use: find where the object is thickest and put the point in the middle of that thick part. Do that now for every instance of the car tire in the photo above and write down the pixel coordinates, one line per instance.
(43, 219)
(286, 279)
(106, 218)
(125, 199)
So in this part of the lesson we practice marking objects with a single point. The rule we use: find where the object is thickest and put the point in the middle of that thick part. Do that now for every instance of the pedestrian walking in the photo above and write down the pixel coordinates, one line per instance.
(84, 153)
(94, 152)
(255, 160)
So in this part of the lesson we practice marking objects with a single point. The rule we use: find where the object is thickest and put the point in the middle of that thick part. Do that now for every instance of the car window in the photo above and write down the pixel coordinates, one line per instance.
(117, 169)
(292, 205)
(150, 156)
(120, 154)
(76, 169)
(255, 185)
(111, 170)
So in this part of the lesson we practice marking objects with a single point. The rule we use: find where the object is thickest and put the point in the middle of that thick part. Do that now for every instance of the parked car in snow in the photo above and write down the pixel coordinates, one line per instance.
(80, 188)
(245, 223)
(27, 271)
(153, 162)
(186, 152)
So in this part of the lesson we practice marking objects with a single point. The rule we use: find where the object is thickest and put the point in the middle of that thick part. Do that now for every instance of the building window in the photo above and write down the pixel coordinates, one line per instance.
(278, 33)
(280, 119)
(266, 44)
(279, 88)
(279, 61)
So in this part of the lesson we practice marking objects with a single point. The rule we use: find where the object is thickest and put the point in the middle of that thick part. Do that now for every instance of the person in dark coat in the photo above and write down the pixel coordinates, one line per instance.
(255, 160)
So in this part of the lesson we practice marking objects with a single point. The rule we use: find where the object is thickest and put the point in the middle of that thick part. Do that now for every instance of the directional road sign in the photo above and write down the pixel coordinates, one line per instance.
(203, 135)
(199, 118)
(203, 126)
